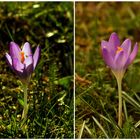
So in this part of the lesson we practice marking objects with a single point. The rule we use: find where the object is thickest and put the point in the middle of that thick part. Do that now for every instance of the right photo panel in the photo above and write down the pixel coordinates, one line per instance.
(107, 70)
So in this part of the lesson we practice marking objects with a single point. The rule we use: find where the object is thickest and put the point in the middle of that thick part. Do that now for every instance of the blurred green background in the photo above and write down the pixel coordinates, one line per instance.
(96, 87)
(50, 93)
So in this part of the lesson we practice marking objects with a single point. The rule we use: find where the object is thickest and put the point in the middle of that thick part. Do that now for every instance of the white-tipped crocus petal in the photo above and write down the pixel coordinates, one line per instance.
(29, 64)
(27, 49)
(14, 50)
(107, 57)
(9, 60)
(8, 57)
(28, 61)
(36, 56)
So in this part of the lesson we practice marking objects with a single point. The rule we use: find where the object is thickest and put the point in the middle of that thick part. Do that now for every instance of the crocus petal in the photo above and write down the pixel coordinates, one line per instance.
(107, 57)
(126, 47)
(28, 61)
(17, 65)
(132, 55)
(27, 49)
(14, 50)
(8, 57)
(29, 64)
(36, 56)
(104, 44)
(108, 47)
(120, 60)
(28, 71)
(114, 41)
(9, 60)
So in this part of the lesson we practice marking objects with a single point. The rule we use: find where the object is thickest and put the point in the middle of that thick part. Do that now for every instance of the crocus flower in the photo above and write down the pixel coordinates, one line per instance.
(118, 56)
(22, 61)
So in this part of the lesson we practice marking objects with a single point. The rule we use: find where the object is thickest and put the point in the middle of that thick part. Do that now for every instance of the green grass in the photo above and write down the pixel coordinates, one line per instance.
(50, 93)
(96, 87)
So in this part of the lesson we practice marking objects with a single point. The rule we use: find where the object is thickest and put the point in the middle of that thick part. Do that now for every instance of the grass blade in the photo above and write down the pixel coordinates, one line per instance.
(100, 126)
(81, 130)
(125, 110)
(88, 130)
(137, 124)
(131, 100)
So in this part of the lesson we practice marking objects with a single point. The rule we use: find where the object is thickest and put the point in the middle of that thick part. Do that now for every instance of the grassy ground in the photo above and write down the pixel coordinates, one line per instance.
(50, 93)
(96, 87)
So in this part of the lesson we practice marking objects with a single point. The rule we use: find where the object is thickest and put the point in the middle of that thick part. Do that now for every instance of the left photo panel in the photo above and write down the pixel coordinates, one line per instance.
(36, 70)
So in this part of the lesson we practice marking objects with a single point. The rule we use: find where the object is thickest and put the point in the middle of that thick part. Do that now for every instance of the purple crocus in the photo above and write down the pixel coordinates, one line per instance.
(118, 56)
(22, 62)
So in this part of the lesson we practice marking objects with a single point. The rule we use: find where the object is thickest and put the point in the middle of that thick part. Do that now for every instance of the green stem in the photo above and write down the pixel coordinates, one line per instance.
(119, 82)
(119, 75)
(25, 110)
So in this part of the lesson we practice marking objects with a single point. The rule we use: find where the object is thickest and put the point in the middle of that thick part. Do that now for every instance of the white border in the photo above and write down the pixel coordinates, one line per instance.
(74, 64)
